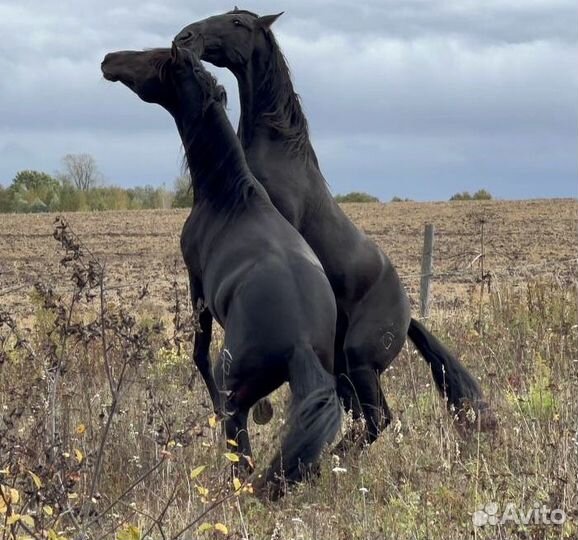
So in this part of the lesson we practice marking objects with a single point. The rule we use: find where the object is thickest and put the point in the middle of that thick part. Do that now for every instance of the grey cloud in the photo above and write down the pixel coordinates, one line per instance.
(457, 90)
(491, 20)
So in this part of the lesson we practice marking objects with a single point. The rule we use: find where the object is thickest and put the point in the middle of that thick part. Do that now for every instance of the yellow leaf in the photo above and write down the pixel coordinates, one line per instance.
(78, 455)
(27, 520)
(14, 518)
(231, 457)
(36, 479)
(236, 483)
(204, 527)
(5, 471)
(130, 532)
(197, 470)
(213, 422)
(14, 496)
(73, 495)
(53, 535)
(48, 510)
(221, 528)
(231, 442)
(3, 507)
(80, 429)
(203, 491)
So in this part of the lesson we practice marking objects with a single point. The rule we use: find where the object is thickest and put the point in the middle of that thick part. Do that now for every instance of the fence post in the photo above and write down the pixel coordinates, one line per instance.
(426, 269)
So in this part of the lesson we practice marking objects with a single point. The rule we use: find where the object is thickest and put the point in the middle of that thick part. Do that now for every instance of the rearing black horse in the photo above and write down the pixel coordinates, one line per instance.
(373, 309)
(250, 268)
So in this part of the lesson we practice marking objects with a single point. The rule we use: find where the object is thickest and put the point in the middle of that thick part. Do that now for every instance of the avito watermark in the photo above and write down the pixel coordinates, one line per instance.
(538, 514)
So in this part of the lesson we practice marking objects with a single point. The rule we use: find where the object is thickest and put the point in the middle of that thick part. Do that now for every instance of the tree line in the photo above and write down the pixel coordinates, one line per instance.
(362, 197)
(80, 187)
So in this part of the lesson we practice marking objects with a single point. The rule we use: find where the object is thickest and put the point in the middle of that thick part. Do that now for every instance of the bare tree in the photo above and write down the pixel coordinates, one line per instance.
(81, 170)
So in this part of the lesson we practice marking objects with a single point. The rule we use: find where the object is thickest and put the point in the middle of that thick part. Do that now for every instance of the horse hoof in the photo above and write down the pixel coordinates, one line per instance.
(262, 411)
(266, 491)
(477, 418)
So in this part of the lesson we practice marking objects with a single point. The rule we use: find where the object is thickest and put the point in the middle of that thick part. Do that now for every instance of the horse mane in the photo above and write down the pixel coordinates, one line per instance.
(280, 106)
(212, 90)
(230, 157)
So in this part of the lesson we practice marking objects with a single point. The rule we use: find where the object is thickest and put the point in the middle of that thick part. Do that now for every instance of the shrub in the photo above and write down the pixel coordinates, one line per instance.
(480, 195)
(463, 196)
(356, 197)
(183, 192)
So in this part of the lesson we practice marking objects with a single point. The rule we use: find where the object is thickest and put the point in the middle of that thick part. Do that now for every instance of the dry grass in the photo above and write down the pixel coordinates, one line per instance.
(58, 397)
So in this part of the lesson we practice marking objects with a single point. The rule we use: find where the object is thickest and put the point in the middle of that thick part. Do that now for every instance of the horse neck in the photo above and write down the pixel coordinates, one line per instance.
(269, 102)
(214, 155)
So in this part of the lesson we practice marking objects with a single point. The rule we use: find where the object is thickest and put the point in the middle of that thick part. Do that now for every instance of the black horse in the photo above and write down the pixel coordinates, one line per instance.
(373, 310)
(248, 266)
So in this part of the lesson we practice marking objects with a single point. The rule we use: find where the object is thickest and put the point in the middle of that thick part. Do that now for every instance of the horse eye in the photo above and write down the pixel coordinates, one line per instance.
(236, 22)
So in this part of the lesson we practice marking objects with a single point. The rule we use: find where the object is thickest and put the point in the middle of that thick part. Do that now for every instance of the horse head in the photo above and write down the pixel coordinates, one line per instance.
(230, 39)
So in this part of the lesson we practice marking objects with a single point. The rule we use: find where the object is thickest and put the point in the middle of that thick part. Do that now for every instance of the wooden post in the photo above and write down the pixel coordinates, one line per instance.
(426, 269)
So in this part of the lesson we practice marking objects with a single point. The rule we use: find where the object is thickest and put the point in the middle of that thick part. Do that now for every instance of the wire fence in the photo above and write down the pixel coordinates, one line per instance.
(475, 269)
(549, 267)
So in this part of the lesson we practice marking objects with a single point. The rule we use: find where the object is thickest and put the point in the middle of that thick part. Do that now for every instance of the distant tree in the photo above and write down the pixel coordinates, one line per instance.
(149, 197)
(399, 199)
(34, 181)
(72, 199)
(34, 191)
(164, 198)
(5, 200)
(464, 196)
(142, 197)
(183, 192)
(482, 195)
(356, 197)
(81, 170)
(37, 206)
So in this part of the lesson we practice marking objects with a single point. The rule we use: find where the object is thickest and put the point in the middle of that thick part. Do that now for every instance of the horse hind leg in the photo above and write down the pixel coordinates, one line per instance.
(374, 338)
(366, 359)
(350, 400)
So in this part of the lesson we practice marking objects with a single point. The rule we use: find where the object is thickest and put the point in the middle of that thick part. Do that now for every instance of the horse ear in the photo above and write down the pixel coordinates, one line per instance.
(266, 21)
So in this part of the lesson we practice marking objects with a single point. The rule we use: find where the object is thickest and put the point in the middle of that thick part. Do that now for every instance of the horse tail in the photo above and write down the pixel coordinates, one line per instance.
(314, 419)
(452, 379)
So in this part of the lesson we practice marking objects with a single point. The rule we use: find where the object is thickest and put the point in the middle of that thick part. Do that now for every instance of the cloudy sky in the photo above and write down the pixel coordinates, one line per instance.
(414, 98)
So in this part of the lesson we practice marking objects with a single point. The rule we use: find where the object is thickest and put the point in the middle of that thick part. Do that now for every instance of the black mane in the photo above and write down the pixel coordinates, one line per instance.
(279, 103)
(212, 90)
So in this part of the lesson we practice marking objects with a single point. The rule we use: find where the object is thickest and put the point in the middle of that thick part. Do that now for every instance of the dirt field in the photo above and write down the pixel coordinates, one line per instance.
(521, 239)
(104, 434)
